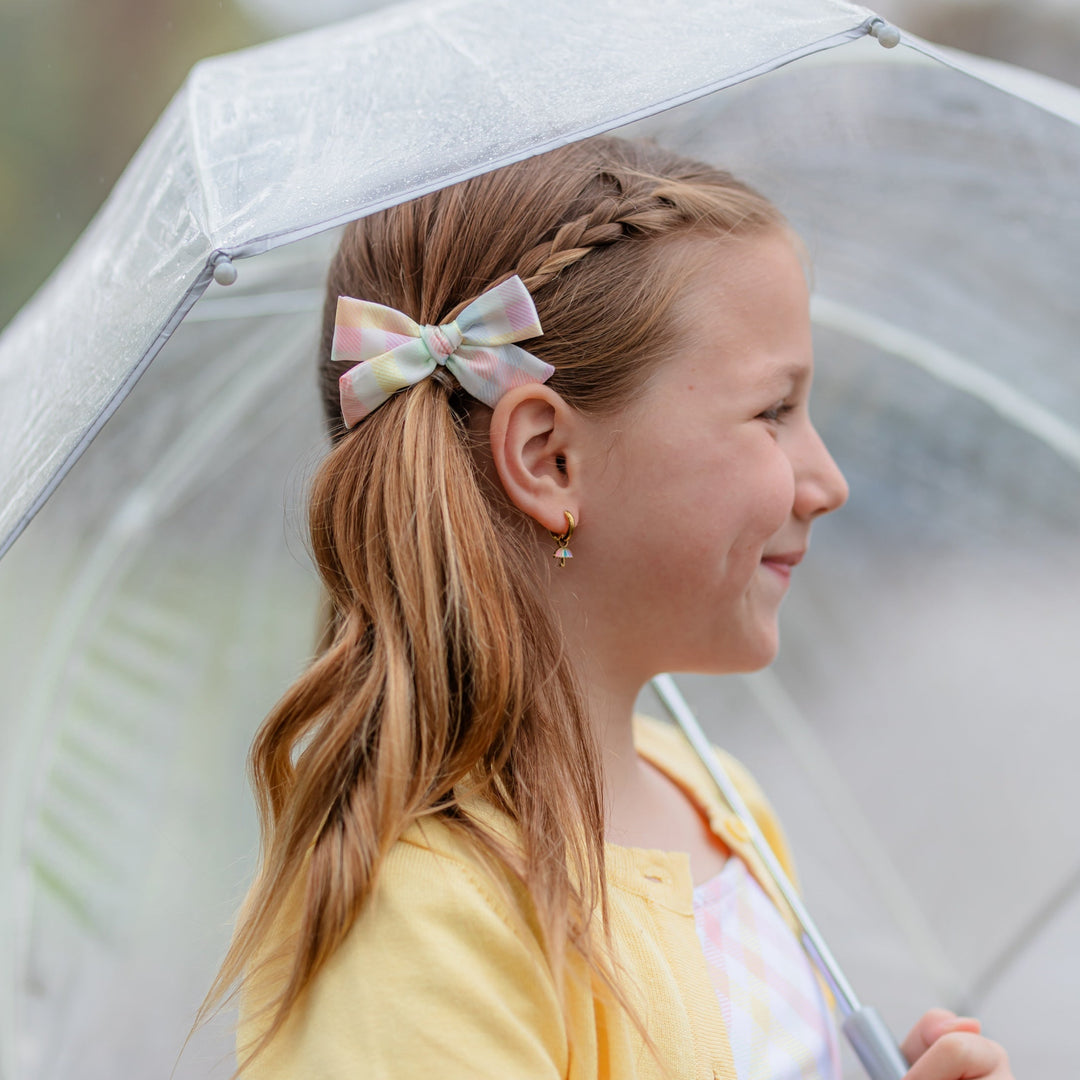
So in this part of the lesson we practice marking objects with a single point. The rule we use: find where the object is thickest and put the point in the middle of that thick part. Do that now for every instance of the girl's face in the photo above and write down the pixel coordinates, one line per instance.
(705, 490)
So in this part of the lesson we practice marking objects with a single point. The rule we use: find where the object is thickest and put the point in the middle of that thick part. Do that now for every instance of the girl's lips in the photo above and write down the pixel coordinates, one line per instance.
(782, 570)
(781, 564)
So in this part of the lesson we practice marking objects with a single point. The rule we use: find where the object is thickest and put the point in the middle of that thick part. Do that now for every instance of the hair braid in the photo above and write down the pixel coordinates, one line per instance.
(612, 219)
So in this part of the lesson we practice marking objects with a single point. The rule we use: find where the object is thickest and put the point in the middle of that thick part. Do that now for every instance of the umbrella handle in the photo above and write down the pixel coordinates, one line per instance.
(874, 1045)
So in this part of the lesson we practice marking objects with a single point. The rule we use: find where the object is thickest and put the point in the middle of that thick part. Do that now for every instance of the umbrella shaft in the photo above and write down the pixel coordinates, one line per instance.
(865, 1030)
(874, 1045)
(819, 952)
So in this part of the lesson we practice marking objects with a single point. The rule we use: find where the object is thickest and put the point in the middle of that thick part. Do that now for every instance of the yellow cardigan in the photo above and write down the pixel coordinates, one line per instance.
(443, 975)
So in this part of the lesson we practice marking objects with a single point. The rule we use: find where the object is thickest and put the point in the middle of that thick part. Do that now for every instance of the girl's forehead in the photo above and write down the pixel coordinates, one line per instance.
(744, 299)
(735, 265)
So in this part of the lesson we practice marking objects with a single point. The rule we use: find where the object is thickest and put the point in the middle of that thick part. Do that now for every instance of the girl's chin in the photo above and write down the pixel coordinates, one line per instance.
(757, 654)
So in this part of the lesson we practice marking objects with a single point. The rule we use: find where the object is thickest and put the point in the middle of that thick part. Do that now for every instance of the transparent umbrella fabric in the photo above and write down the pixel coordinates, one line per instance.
(277, 142)
(916, 733)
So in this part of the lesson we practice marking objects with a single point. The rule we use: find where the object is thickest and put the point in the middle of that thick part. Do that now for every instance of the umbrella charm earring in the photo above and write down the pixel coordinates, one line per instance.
(563, 552)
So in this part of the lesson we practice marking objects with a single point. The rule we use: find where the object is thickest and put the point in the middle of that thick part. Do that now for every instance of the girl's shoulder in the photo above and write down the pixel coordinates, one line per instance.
(444, 954)
(664, 746)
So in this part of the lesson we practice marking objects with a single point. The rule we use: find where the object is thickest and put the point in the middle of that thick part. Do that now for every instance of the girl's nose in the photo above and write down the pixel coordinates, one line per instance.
(820, 486)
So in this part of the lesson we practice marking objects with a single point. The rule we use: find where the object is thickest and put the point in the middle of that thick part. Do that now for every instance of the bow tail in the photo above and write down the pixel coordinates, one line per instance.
(487, 373)
(367, 385)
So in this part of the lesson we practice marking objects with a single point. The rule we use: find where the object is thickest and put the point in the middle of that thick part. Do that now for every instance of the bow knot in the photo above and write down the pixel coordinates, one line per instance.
(390, 352)
(441, 341)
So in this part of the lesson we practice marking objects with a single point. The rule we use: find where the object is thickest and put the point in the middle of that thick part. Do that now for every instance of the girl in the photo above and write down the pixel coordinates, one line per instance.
(475, 862)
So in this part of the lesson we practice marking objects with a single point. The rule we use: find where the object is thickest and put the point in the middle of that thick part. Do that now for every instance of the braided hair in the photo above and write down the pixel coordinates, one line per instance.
(589, 228)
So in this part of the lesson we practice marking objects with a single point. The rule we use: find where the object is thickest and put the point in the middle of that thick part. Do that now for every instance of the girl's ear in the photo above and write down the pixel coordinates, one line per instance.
(535, 439)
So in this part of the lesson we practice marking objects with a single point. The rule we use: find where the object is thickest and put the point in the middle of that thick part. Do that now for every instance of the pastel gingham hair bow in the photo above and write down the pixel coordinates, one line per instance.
(391, 352)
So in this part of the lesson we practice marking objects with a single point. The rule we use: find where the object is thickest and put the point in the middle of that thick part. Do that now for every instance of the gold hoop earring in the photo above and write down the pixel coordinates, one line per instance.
(563, 540)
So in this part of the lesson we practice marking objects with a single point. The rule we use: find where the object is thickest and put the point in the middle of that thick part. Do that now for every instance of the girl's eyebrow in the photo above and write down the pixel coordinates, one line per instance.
(789, 373)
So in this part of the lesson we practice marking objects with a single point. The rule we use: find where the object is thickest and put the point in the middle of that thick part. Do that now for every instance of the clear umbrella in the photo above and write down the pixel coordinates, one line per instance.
(157, 605)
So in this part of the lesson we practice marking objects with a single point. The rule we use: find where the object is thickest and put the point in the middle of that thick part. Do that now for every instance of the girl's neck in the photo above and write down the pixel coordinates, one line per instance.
(611, 715)
(636, 796)
(645, 808)
(608, 674)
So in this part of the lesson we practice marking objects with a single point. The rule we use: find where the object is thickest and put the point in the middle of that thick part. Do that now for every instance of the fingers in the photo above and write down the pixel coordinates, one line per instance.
(962, 1055)
(931, 1026)
(944, 1046)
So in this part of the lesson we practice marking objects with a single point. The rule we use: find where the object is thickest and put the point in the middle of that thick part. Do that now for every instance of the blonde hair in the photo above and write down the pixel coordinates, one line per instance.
(442, 667)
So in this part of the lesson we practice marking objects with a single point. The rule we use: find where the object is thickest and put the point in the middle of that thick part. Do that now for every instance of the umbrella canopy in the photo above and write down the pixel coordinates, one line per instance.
(157, 606)
(269, 145)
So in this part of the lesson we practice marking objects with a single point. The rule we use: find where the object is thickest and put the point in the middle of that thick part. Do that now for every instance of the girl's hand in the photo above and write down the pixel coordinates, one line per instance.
(944, 1046)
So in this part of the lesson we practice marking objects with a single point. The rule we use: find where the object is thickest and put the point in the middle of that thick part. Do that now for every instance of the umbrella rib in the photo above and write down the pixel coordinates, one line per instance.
(1051, 95)
(989, 977)
(118, 397)
(953, 370)
(259, 244)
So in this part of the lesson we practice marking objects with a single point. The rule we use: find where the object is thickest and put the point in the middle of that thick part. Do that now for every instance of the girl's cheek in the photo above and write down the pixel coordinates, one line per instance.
(781, 500)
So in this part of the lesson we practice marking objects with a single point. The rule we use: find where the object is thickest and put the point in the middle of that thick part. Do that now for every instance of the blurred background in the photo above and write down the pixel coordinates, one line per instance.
(83, 83)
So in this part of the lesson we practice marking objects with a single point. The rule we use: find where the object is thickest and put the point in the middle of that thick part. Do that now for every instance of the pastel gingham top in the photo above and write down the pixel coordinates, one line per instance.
(777, 1019)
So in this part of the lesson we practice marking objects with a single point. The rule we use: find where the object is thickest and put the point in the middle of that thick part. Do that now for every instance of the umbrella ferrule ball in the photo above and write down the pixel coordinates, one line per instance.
(887, 34)
(224, 271)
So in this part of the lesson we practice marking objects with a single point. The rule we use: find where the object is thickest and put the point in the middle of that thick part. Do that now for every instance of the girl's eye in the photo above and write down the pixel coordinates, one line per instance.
(777, 413)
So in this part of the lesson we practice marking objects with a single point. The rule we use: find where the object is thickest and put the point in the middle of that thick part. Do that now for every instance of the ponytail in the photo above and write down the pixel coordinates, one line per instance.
(427, 688)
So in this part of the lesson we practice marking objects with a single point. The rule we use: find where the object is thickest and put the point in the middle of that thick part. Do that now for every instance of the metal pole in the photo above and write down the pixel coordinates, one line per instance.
(863, 1027)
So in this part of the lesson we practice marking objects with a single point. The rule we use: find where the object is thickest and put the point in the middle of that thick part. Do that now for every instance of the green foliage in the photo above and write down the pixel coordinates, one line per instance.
(82, 84)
